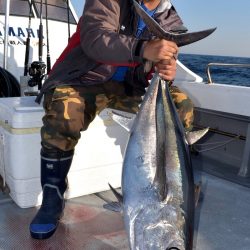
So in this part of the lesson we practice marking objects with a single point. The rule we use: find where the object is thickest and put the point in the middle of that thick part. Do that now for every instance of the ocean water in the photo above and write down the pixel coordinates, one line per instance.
(219, 74)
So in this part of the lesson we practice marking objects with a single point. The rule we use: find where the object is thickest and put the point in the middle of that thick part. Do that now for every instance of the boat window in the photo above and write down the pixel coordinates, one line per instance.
(17, 7)
(56, 9)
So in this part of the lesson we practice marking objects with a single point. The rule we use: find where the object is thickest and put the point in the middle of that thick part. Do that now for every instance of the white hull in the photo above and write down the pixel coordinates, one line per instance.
(218, 97)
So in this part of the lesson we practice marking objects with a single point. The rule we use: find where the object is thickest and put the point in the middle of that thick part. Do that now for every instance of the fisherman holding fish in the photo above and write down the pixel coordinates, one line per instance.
(107, 63)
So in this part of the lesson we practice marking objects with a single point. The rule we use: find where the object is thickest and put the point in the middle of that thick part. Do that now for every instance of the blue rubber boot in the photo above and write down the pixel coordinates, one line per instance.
(54, 170)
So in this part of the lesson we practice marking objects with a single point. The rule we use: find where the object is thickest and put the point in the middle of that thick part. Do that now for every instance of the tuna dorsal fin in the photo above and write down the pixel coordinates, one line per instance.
(193, 137)
(123, 120)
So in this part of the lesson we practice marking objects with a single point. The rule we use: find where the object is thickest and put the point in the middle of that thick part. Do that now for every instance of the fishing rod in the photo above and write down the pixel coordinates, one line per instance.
(68, 9)
(37, 68)
(47, 34)
(27, 47)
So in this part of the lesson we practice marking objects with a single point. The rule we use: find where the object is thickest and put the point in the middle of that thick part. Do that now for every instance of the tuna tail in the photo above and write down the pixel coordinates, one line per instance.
(180, 39)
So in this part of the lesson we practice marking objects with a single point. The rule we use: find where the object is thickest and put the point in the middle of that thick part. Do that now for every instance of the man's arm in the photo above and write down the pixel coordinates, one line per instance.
(165, 62)
(101, 41)
(100, 38)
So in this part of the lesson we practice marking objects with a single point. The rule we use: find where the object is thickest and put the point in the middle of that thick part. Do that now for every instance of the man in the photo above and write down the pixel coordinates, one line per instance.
(106, 64)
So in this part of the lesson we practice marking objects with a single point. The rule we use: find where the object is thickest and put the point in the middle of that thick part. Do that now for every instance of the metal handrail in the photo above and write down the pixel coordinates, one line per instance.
(240, 65)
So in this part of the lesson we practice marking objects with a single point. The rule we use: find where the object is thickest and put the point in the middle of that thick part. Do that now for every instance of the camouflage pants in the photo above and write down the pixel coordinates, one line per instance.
(70, 109)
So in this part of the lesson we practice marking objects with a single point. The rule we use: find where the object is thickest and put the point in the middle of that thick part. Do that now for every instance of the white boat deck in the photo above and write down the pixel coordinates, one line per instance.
(222, 222)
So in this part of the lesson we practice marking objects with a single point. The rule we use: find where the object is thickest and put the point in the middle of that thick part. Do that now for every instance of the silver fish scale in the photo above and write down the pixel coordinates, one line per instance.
(158, 230)
(153, 223)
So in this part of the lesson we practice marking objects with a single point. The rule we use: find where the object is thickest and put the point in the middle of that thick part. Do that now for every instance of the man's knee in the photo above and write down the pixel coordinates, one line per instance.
(184, 107)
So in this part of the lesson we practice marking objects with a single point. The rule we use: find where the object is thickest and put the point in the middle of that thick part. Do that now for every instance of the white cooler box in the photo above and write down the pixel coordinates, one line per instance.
(97, 160)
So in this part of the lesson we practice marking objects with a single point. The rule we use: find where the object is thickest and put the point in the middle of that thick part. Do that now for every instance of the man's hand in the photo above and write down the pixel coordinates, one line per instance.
(158, 50)
(166, 69)
(163, 53)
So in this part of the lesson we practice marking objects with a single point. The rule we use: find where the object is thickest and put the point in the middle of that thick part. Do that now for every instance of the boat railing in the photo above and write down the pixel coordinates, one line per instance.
(239, 65)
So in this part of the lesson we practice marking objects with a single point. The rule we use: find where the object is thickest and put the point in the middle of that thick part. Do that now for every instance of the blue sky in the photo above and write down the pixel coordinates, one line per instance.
(232, 19)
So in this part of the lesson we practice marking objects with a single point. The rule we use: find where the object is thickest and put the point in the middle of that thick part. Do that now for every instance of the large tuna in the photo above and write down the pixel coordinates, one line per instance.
(157, 180)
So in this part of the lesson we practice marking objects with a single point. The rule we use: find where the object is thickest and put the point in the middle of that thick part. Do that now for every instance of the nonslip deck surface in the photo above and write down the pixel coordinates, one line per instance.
(222, 222)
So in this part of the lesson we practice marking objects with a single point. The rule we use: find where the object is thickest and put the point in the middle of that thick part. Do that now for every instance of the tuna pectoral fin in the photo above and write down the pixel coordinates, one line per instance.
(117, 194)
(193, 137)
(124, 120)
(115, 206)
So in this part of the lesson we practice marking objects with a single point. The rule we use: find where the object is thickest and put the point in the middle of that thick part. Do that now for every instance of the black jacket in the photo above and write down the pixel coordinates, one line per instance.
(105, 38)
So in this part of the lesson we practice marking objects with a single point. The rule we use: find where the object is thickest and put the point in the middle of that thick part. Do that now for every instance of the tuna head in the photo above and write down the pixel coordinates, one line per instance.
(154, 227)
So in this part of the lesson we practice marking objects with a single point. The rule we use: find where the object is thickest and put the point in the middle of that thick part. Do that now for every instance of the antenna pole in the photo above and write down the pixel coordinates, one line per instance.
(47, 34)
(6, 33)
(68, 9)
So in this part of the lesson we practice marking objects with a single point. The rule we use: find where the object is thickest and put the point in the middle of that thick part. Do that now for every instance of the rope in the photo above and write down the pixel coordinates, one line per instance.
(9, 86)
(221, 144)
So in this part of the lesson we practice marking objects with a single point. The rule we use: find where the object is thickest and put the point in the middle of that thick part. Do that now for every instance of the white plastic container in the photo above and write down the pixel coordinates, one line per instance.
(97, 160)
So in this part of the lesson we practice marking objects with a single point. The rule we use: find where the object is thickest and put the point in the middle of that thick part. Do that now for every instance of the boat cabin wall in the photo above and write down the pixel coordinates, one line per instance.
(19, 29)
